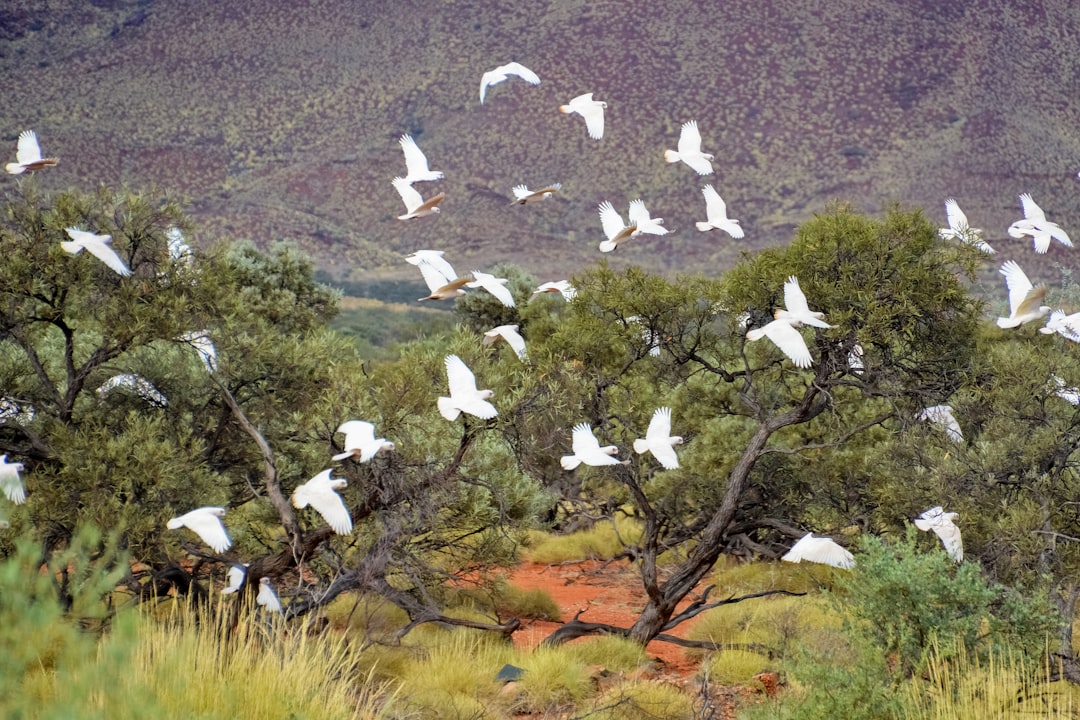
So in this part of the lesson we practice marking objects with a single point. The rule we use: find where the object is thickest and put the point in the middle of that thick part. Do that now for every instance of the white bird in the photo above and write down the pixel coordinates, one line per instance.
(136, 383)
(943, 415)
(639, 217)
(563, 287)
(441, 285)
(464, 397)
(415, 204)
(510, 334)
(787, 338)
(267, 597)
(204, 346)
(591, 110)
(855, 359)
(1024, 299)
(941, 523)
(28, 155)
(716, 214)
(1037, 226)
(206, 523)
(659, 441)
(320, 492)
(586, 449)
(820, 550)
(690, 150)
(614, 229)
(796, 310)
(431, 257)
(178, 247)
(1068, 326)
(523, 195)
(416, 163)
(494, 285)
(1070, 395)
(959, 228)
(96, 245)
(496, 76)
(360, 441)
(10, 482)
(235, 577)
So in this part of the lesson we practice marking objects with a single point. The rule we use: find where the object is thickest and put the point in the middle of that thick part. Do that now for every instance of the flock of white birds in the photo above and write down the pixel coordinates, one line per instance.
(360, 443)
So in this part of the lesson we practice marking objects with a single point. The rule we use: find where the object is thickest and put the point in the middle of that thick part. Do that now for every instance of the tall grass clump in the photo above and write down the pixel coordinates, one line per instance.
(602, 541)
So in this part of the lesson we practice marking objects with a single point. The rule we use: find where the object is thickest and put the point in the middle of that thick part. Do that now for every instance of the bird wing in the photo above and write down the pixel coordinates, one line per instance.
(436, 260)
(409, 195)
(489, 78)
(235, 578)
(495, 286)
(1031, 211)
(521, 71)
(689, 139)
(210, 528)
(715, 207)
(267, 597)
(358, 433)
(461, 380)
(433, 277)
(638, 214)
(1059, 234)
(416, 163)
(660, 425)
(790, 342)
(99, 247)
(28, 150)
(956, 217)
(664, 453)
(611, 220)
(584, 443)
(326, 501)
(794, 299)
(521, 191)
(1018, 284)
(514, 339)
(10, 482)
(593, 112)
(950, 538)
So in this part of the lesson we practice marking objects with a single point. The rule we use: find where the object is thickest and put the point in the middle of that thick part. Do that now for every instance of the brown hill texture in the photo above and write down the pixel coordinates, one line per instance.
(280, 119)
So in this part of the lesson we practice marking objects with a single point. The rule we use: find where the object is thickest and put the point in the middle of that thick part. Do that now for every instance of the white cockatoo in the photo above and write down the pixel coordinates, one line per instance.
(523, 195)
(591, 110)
(615, 229)
(496, 76)
(179, 250)
(716, 214)
(320, 492)
(1037, 226)
(941, 523)
(1067, 326)
(784, 335)
(10, 482)
(28, 155)
(690, 150)
(586, 449)
(96, 245)
(494, 285)
(204, 346)
(443, 286)
(416, 164)
(206, 523)
(639, 218)
(820, 550)
(943, 415)
(510, 334)
(563, 287)
(1024, 299)
(432, 257)
(1070, 395)
(960, 230)
(137, 384)
(267, 598)
(659, 441)
(796, 309)
(464, 397)
(360, 441)
(415, 204)
(234, 579)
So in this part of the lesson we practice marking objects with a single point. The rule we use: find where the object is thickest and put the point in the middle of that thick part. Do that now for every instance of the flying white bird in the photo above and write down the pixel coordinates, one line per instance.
(10, 482)
(415, 205)
(716, 214)
(784, 335)
(496, 76)
(586, 449)
(960, 230)
(563, 287)
(796, 310)
(235, 578)
(1024, 299)
(320, 492)
(204, 346)
(591, 110)
(416, 164)
(510, 334)
(659, 441)
(942, 415)
(206, 523)
(431, 257)
(690, 150)
(614, 228)
(523, 195)
(137, 384)
(441, 285)
(28, 155)
(639, 217)
(495, 286)
(267, 597)
(464, 397)
(1070, 395)
(1068, 326)
(360, 441)
(820, 550)
(96, 245)
(1037, 226)
(941, 523)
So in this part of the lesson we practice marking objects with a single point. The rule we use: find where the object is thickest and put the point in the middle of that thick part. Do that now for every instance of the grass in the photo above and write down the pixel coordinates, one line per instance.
(643, 701)
(602, 541)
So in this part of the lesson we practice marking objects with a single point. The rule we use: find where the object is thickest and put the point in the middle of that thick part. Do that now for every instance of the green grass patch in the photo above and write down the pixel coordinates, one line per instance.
(734, 667)
(603, 541)
(643, 701)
